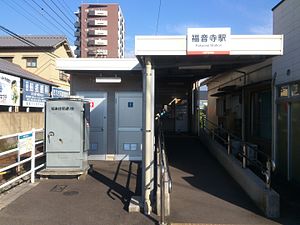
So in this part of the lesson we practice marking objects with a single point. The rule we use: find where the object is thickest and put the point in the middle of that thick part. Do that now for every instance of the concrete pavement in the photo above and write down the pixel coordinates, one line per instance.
(204, 193)
(100, 199)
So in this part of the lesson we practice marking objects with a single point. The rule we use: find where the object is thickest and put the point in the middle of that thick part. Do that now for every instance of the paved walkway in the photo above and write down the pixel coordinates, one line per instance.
(100, 199)
(203, 193)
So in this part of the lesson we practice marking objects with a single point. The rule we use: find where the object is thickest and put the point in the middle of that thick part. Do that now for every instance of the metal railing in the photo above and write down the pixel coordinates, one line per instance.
(249, 155)
(24, 147)
(162, 160)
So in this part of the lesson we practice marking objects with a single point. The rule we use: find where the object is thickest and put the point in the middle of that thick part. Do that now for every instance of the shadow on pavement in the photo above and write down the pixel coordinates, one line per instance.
(125, 174)
(190, 155)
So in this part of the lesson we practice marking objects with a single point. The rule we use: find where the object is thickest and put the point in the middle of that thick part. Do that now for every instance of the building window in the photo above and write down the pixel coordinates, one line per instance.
(295, 89)
(31, 62)
(261, 125)
(63, 76)
(283, 91)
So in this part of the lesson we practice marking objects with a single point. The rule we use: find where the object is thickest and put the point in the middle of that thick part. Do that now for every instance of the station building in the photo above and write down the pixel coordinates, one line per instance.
(286, 92)
(125, 94)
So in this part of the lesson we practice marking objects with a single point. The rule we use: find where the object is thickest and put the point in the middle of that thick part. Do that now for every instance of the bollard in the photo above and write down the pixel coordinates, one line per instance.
(244, 155)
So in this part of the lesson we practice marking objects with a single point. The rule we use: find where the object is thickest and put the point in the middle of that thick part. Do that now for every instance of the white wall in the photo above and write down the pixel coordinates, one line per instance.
(86, 82)
(286, 21)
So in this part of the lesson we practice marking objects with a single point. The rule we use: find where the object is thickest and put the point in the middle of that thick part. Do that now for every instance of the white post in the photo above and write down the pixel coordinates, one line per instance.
(19, 157)
(149, 120)
(33, 156)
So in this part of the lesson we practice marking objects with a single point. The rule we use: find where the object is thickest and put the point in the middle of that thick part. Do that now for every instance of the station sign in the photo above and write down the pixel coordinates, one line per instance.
(208, 41)
(35, 94)
(9, 90)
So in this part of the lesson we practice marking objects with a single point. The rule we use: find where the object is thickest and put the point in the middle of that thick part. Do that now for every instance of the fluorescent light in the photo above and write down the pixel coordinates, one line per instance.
(199, 67)
(108, 80)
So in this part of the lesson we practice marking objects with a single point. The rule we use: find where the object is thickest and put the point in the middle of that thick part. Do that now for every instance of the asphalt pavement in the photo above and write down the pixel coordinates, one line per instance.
(203, 193)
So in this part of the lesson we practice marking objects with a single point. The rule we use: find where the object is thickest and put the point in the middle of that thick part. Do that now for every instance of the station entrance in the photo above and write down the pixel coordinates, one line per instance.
(161, 77)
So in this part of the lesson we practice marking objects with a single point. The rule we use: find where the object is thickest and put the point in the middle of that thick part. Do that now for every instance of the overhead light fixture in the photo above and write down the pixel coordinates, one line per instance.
(108, 79)
(198, 67)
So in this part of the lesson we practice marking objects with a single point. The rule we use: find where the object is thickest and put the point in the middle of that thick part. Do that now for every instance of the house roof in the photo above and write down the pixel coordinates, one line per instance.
(46, 41)
(16, 70)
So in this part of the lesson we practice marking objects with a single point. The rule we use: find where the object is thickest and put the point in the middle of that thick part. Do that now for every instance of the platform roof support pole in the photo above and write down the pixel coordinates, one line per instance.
(148, 153)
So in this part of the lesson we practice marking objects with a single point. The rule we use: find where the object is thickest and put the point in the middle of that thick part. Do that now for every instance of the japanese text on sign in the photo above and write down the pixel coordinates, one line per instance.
(208, 41)
(34, 93)
(26, 142)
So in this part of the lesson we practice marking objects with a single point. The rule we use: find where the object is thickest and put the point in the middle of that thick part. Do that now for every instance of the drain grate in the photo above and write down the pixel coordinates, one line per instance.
(58, 188)
(70, 193)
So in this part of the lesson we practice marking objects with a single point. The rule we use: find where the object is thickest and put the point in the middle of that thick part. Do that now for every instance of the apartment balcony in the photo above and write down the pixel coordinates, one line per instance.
(97, 32)
(77, 52)
(97, 42)
(98, 52)
(97, 22)
(97, 12)
(77, 43)
(77, 33)
(77, 24)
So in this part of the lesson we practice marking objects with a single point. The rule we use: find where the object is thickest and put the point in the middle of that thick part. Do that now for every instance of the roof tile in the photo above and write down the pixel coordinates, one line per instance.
(39, 40)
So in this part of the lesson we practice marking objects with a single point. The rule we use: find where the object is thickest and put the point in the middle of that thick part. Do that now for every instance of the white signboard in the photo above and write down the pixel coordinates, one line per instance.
(203, 41)
(9, 90)
(26, 142)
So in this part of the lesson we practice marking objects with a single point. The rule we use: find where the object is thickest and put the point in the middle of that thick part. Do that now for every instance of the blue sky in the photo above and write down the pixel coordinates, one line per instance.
(243, 16)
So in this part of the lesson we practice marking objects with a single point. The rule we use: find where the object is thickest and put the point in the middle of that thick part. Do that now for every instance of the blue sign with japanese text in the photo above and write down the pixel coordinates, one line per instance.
(35, 94)
(59, 93)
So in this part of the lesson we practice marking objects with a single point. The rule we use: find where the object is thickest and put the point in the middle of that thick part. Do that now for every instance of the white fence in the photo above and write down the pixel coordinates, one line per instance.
(26, 143)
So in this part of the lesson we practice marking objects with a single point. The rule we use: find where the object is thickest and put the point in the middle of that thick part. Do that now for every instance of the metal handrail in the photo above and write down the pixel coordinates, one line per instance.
(237, 138)
(266, 170)
(164, 168)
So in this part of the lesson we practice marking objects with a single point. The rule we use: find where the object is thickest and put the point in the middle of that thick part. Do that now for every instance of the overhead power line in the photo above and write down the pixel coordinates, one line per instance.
(64, 14)
(68, 25)
(31, 17)
(25, 41)
(40, 7)
(49, 21)
(66, 7)
(158, 16)
(22, 14)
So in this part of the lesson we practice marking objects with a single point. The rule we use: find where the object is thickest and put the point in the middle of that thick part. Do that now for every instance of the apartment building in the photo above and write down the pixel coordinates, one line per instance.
(99, 31)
